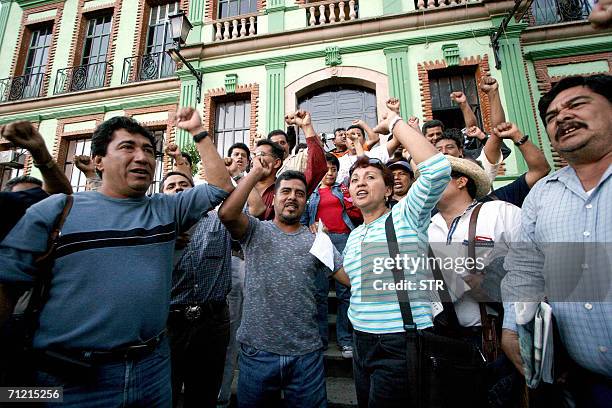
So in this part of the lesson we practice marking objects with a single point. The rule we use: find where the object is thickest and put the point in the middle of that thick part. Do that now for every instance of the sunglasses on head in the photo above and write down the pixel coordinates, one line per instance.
(373, 161)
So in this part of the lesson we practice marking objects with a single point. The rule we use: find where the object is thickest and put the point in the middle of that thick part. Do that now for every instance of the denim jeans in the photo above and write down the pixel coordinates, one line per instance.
(343, 297)
(234, 299)
(135, 383)
(380, 370)
(263, 376)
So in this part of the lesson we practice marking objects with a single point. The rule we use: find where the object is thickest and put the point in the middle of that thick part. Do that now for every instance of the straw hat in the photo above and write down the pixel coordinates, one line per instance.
(473, 171)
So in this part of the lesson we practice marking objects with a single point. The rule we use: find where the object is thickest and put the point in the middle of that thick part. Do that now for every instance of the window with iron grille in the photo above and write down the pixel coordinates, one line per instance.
(231, 8)
(95, 50)
(36, 61)
(159, 39)
(232, 124)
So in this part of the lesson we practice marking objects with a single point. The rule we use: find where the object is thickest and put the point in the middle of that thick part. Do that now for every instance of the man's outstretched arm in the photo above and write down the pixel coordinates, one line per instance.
(230, 212)
(214, 167)
(23, 134)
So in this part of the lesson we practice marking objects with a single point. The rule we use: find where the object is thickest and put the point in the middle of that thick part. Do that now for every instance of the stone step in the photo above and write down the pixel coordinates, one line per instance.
(336, 365)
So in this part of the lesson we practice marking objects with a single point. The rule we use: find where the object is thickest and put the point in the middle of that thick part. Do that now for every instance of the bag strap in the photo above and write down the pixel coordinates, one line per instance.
(472, 253)
(55, 232)
(398, 276)
(402, 295)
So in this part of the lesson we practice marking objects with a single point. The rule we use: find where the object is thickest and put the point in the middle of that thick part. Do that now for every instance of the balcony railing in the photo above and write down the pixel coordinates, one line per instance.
(235, 27)
(22, 87)
(430, 4)
(558, 11)
(149, 66)
(329, 12)
(82, 77)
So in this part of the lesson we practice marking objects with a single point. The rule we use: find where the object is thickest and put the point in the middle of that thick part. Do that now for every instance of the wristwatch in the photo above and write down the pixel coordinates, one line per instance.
(393, 123)
(522, 141)
(197, 138)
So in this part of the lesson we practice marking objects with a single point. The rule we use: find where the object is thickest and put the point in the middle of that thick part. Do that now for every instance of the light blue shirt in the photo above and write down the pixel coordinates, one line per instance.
(564, 254)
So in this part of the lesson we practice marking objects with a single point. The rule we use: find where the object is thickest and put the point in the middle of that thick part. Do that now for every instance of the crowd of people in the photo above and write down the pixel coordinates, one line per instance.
(129, 299)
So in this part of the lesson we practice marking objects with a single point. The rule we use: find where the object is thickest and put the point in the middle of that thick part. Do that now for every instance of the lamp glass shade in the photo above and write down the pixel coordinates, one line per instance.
(180, 26)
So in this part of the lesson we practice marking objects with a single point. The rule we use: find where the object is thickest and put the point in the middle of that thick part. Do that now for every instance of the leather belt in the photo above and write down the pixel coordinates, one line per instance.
(194, 312)
(86, 357)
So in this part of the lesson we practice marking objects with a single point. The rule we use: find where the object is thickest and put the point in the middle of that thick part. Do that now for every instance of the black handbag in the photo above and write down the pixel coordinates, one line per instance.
(449, 372)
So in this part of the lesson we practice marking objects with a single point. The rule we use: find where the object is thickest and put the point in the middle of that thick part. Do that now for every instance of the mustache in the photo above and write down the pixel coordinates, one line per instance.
(568, 125)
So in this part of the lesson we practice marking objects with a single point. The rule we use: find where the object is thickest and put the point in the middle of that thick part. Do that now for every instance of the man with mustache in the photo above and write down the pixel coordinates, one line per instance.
(281, 349)
(571, 208)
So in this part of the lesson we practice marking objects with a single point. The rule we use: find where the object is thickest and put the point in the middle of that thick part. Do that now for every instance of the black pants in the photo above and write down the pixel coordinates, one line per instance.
(380, 370)
(198, 354)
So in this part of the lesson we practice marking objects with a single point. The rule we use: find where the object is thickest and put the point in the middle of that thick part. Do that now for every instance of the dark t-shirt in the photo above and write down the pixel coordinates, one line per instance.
(14, 205)
(513, 193)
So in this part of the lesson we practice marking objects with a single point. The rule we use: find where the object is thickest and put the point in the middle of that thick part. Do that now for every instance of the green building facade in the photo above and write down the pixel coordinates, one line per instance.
(68, 65)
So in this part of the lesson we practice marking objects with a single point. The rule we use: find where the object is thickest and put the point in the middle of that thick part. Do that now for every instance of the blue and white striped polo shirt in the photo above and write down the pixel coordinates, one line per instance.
(377, 311)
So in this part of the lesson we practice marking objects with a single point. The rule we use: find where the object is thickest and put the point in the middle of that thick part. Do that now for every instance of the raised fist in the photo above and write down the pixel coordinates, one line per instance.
(458, 97)
(508, 130)
(300, 118)
(393, 104)
(189, 119)
(488, 84)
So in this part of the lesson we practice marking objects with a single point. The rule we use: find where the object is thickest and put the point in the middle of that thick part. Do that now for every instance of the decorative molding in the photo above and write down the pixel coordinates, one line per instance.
(451, 54)
(569, 51)
(332, 56)
(24, 39)
(399, 85)
(275, 96)
(230, 83)
(344, 74)
(301, 56)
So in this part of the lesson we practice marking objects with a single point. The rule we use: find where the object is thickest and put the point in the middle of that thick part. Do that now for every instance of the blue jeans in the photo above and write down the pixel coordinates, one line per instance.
(343, 296)
(134, 383)
(264, 375)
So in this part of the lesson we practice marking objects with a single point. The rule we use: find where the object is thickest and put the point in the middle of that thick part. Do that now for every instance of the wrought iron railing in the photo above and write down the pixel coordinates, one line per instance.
(82, 77)
(558, 11)
(149, 66)
(22, 87)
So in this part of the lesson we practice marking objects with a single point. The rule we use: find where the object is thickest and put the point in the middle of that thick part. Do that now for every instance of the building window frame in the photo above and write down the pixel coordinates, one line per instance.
(24, 39)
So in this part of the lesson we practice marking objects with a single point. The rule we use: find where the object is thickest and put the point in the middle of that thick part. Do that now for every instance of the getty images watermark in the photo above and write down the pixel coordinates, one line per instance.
(377, 272)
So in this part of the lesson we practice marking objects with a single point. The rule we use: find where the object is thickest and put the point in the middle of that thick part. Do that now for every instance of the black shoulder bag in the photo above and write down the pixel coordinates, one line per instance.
(449, 372)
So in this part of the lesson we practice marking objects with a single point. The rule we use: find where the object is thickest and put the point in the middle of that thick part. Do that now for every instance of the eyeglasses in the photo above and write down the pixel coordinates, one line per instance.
(261, 154)
(372, 161)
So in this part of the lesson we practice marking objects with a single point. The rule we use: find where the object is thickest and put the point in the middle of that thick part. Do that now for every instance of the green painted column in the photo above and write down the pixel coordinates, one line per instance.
(187, 98)
(397, 70)
(5, 9)
(392, 6)
(518, 100)
(275, 9)
(196, 17)
(275, 96)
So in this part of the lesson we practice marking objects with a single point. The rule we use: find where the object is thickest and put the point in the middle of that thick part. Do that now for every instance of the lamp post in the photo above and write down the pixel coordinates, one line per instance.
(180, 27)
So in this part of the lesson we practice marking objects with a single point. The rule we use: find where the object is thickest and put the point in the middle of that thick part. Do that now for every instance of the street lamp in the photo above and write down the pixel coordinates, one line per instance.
(180, 27)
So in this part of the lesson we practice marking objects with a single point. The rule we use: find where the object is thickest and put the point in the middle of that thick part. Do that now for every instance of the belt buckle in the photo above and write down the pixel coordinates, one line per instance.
(192, 312)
